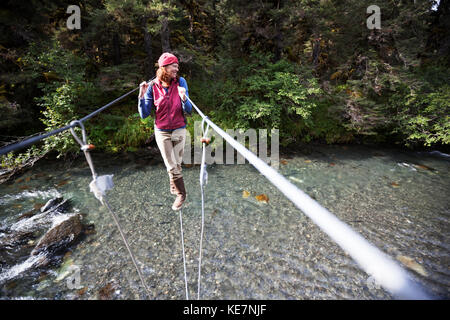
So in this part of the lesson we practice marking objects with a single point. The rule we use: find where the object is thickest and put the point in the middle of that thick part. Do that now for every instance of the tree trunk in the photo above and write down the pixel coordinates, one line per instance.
(116, 49)
(438, 33)
(149, 64)
(278, 35)
(444, 23)
(316, 51)
(188, 5)
(165, 32)
(215, 33)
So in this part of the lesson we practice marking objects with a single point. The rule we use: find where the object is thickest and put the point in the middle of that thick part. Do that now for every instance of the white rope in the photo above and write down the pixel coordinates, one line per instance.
(184, 255)
(133, 259)
(203, 182)
(200, 250)
(373, 261)
(99, 192)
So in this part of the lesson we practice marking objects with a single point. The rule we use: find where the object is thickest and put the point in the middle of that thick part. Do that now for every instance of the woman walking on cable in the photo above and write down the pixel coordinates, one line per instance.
(167, 94)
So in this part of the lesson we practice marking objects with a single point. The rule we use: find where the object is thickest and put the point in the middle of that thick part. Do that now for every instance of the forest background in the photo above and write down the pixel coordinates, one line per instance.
(311, 68)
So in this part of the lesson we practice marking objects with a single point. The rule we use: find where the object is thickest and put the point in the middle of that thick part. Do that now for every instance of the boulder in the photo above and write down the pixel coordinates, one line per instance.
(8, 241)
(61, 235)
(56, 204)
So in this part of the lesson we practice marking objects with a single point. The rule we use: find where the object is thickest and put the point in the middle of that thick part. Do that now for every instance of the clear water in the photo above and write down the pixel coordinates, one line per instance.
(251, 249)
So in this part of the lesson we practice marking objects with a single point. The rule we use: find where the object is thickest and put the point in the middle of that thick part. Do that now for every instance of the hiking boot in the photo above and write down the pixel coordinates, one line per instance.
(181, 194)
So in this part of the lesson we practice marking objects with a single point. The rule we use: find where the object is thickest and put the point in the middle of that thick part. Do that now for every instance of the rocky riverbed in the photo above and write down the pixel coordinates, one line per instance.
(257, 244)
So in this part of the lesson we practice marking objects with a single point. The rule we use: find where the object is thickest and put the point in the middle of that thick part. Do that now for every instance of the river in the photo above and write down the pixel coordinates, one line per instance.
(254, 247)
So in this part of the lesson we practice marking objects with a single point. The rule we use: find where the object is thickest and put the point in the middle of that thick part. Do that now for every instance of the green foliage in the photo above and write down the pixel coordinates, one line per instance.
(12, 115)
(381, 102)
(50, 61)
(66, 93)
(117, 79)
(191, 123)
(12, 160)
(309, 67)
(424, 118)
(119, 132)
(262, 94)
(60, 108)
(328, 124)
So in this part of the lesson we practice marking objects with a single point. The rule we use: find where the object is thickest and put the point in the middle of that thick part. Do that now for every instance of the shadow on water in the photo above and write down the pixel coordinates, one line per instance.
(257, 244)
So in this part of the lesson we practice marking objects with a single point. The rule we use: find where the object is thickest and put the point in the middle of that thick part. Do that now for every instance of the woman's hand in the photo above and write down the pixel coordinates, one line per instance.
(143, 89)
(182, 93)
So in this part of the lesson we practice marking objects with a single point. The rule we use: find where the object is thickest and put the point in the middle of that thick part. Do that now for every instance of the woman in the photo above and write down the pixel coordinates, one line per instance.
(168, 94)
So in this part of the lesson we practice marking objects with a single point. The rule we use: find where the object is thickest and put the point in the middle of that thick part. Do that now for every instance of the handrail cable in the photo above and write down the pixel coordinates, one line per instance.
(27, 142)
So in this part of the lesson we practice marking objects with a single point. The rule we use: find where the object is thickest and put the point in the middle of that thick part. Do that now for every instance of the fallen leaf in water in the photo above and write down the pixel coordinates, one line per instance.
(262, 198)
(106, 293)
(308, 161)
(19, 180)
(395, 184)
(17, 206)
(282, 161)
(27, 179)
(24, 188)
(62, 183)
(245, 194)
(421, 166)
(82, 291)
(332, 164)
(39, 175)
(413, 265)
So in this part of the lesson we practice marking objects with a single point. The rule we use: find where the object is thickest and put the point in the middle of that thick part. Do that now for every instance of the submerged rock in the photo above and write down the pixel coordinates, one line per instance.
(62, 234)
(10, 240)
(56, 203)
(108, 291)
(42, 220)
(412, 264)
(27, 215)
(56, 230)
